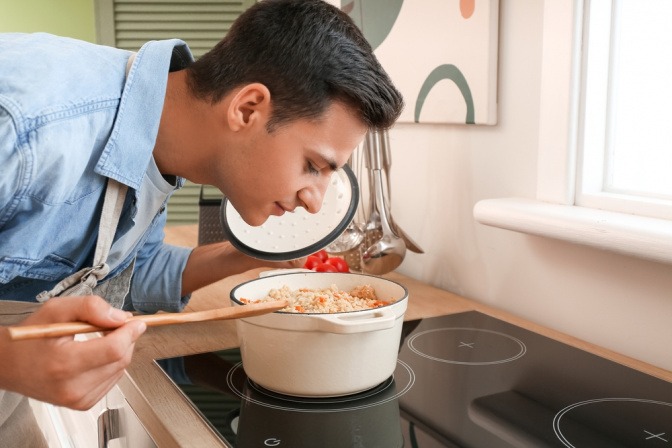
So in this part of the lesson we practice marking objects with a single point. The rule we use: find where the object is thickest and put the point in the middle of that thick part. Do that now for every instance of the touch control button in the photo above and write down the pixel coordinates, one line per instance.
(272, 442)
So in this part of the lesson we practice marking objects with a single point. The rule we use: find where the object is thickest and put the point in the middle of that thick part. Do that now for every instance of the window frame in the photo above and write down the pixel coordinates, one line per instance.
(553, 213)
(593, 148)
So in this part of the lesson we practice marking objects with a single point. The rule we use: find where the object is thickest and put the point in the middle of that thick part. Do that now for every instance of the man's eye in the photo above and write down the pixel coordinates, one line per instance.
(312, 169)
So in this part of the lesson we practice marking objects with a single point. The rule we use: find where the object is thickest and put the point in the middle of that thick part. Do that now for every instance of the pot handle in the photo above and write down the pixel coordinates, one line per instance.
(359, 322)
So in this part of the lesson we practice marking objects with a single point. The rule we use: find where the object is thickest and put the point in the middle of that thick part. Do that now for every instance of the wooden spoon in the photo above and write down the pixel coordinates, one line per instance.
(18, 333)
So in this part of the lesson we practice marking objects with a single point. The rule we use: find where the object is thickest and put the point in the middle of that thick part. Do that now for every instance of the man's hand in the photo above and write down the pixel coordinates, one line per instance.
(65, 372)
(213, 262)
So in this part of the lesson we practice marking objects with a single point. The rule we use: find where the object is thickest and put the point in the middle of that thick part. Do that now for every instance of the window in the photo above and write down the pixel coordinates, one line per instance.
(625, 132)
(603, 169)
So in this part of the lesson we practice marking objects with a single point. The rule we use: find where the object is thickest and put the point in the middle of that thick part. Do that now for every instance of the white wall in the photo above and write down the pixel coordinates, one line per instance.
(440, 171)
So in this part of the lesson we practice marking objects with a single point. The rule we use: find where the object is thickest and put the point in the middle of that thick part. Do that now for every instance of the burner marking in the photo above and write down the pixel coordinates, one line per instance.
(406, 388)
(655, 436)
(466, 344)
(559, 415)
(523, 348)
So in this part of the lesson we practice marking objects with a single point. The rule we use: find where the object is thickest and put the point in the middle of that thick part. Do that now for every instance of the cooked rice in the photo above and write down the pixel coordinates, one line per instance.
(326, 300)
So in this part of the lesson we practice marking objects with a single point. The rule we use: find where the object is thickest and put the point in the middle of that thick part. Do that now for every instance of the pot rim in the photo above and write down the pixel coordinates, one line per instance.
(294, 274)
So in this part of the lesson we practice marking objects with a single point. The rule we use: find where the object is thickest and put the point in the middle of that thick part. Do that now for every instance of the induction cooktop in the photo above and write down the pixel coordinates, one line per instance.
(462, 380)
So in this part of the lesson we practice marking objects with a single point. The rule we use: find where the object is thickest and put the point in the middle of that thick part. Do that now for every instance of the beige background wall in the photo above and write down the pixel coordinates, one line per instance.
(440, 172)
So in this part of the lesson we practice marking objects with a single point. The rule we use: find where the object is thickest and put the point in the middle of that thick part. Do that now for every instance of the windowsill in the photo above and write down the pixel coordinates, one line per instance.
(638, 236)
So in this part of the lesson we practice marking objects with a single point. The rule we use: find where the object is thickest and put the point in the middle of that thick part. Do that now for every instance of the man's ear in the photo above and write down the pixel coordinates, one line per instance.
(249, 106)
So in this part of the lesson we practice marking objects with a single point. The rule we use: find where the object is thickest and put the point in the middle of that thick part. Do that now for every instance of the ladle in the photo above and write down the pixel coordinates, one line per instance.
(388, 252)
(351, 237)
(152, 320)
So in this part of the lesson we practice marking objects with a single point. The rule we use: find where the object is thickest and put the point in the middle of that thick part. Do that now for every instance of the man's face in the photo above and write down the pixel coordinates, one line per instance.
(276, 172)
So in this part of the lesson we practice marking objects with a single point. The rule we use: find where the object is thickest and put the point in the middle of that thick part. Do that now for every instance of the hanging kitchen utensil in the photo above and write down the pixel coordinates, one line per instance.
(351, 237)
(387, 166)
(386, 154)
(298, 234)
(373, 229)
(388, 252)
(354, 256)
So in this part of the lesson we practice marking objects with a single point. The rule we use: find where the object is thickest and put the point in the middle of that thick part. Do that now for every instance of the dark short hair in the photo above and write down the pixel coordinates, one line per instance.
(308, 53)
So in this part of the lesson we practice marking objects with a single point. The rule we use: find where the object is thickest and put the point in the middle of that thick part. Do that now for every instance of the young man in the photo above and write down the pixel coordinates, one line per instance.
(90, 133)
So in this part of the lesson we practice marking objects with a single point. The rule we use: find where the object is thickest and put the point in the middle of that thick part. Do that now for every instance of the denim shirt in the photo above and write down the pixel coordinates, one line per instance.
(69, 119)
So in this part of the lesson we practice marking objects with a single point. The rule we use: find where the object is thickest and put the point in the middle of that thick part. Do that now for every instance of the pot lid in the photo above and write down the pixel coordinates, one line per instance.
(297, 234)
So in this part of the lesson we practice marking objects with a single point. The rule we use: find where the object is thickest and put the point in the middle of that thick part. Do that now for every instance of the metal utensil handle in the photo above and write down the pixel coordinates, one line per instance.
(374, 163)
(380, 204)
(374, 159)
(387, 164)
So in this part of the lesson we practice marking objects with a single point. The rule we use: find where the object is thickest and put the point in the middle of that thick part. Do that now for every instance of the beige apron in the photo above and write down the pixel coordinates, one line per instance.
(86, 281)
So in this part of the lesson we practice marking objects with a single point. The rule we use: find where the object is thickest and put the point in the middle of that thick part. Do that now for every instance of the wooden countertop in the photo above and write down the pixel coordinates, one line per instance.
(170, 419)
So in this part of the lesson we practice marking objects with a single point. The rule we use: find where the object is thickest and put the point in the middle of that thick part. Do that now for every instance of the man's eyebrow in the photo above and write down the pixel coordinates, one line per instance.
(333, 166)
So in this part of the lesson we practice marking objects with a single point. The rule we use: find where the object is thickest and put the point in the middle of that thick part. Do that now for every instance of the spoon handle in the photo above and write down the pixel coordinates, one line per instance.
(18, 333)
(381, 206)
(387, 165)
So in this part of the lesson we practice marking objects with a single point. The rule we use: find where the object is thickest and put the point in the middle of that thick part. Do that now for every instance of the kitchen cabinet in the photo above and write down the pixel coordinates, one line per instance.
(110, 423)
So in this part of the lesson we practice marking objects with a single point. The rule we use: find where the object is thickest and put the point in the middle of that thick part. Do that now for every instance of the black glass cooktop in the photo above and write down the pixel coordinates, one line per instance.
(463, 380)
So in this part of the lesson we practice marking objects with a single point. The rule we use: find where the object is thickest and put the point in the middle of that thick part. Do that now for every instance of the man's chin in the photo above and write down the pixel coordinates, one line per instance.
(255, 220)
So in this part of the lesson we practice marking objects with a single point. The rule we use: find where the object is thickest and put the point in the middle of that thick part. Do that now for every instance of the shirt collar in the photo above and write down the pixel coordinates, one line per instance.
(129, 148)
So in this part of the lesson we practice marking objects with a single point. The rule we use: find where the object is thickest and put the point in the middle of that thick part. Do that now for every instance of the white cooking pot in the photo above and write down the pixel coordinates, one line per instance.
(319, 355)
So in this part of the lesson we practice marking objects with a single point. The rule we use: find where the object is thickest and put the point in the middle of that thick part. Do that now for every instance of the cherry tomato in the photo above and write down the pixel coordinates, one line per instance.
(325, 267)
(311, 262)
(340, 264)
(322, 254)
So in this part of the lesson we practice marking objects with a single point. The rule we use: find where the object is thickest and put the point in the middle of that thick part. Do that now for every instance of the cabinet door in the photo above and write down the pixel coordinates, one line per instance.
(112, 417)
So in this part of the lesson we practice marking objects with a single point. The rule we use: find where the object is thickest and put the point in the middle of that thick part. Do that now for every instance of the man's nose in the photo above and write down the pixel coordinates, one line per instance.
(312, 197)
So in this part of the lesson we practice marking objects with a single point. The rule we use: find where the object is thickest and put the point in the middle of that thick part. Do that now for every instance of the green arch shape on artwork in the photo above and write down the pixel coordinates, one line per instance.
(374, 17)
(452, 73)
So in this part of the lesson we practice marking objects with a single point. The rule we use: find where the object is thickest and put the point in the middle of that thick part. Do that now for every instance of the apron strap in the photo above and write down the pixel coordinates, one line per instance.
(82, 282)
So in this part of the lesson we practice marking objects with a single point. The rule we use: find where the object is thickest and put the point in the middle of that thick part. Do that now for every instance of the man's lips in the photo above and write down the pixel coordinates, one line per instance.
(281, 209)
